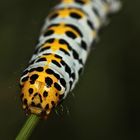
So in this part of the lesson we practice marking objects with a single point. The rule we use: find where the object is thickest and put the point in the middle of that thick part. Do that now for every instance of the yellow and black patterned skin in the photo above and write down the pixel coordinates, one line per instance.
(61, 53)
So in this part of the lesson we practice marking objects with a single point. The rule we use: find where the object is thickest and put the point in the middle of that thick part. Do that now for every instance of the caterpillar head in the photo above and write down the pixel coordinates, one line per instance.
(40, 93)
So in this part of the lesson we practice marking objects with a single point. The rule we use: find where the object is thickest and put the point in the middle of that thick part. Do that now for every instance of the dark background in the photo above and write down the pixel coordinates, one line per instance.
(105, 104)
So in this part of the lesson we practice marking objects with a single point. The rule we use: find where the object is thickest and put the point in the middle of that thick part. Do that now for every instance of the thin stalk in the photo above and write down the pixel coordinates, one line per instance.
(28, 127)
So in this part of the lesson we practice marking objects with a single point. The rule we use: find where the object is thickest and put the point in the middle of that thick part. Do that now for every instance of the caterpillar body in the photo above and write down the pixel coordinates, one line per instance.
(61, 53)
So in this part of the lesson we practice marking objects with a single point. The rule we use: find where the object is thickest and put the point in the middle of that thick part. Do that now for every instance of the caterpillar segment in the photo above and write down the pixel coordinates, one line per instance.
(60, 55)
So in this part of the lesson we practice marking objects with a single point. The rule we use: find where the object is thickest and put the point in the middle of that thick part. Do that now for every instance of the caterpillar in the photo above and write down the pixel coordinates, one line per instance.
(59, 57)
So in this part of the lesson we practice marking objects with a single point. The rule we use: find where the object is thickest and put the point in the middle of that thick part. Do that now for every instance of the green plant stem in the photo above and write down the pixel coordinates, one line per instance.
(28, 127)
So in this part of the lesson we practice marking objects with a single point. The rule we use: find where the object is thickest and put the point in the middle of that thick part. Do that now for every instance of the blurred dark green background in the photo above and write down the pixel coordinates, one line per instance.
(106, 102)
